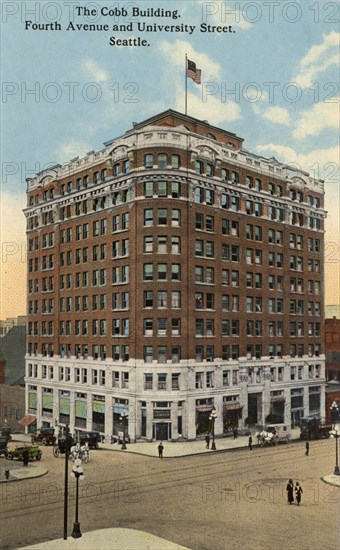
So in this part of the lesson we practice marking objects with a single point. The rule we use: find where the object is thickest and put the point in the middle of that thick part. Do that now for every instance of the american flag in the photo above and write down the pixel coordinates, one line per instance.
(193, 73)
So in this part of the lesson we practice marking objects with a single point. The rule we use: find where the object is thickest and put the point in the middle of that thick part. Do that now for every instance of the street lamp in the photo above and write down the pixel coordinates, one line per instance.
(212, 418)
(77, 472)
(67, 449)
(334, 433)
(124, 417)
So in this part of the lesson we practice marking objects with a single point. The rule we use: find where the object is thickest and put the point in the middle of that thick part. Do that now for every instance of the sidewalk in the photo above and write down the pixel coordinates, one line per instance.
(186, 448)
(110, 539)
(174, 448)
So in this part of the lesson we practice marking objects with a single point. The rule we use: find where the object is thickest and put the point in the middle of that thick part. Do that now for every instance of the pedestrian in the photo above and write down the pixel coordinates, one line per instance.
(307, 448)
(250, 443)
(298, 492)
(235, 433)
(25, 457)
(160, 450)
(290, 491)
(207, 440)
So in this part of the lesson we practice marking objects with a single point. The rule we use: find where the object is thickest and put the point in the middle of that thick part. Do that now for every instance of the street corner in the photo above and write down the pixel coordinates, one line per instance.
(332, 479)
(14, 472)
(111, 539)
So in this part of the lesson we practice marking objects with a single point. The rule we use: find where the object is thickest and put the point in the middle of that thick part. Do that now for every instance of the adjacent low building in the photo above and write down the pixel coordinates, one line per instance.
(170, 274)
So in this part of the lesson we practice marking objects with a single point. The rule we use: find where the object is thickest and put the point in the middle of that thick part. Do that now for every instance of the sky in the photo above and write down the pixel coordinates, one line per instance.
(271, 75)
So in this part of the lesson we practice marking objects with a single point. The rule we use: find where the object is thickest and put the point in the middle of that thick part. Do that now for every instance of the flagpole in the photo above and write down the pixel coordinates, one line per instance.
(186, 84)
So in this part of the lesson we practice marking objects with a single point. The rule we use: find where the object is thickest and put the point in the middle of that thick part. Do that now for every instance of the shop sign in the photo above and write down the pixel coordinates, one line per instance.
(161, 415)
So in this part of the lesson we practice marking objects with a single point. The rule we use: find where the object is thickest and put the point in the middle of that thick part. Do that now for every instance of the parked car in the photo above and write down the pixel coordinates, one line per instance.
(3, 445)
(314, 428)
(91, 438)
(45, 436)
(17, 453)
(6, 431)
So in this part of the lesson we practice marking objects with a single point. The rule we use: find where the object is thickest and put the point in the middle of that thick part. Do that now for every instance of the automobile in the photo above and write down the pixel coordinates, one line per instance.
(45, 436)
(6, 431)
(17, 452)
(3, 445)
(91, 438)
(314, 428)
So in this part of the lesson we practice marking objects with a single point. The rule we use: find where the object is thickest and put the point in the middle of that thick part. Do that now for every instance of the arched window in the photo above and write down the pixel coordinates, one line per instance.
(224, 174)
(148, 161)
(199, 167)
(249, 182)
(175, 161)
(162, 161)
(235, 177)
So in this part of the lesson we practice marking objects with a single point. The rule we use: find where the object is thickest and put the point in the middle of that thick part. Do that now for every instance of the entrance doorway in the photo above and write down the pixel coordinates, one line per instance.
(255, 407)
(161, 431)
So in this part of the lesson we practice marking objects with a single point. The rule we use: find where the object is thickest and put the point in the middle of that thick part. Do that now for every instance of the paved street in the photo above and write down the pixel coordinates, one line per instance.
(211, 501)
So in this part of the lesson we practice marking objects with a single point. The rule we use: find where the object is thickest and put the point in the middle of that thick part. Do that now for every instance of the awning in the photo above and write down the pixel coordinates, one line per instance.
(27, 420)
(204, 408)
(277, 399)
(232, 407)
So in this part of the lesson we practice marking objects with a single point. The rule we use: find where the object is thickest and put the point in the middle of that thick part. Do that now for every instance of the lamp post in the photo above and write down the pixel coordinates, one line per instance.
(334, 433)
(77, 472)
(66, 480)
(212, 418)
(124, 417)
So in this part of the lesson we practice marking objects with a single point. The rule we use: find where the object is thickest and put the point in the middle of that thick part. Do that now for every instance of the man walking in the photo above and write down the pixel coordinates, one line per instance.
(307, 448)
(25, 456)
(207, 440)
(290, 491)
(160, 450)
(250, 443)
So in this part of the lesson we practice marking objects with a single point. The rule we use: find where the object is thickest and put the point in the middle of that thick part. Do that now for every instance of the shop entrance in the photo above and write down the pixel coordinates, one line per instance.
(255, 407)
(161, 431)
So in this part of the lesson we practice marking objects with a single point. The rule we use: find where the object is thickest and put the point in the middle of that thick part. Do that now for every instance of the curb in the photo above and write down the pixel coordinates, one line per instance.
(328, 479)
(233, 449)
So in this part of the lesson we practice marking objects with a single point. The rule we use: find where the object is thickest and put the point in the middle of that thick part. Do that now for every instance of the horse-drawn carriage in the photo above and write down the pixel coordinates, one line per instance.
(273, 434)
(74, 449)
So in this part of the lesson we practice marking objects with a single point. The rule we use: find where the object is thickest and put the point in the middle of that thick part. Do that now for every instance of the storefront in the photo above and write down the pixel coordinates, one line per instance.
(80, 420)
(232, 413)
(277, 408)
(64, 407)
(203, 412)
(296, 397)
(119, 420)
(98, 413)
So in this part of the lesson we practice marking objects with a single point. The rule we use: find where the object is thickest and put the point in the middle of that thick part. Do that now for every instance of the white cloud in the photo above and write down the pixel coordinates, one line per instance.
(318, 59)
(71, 149)
(212, 110)
(321, 116)
(320, 163)
(279, 115)
(94, 71)
(203, 102)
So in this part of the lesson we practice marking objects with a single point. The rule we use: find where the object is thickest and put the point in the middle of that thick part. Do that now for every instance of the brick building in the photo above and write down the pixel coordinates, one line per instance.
(170, 274)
